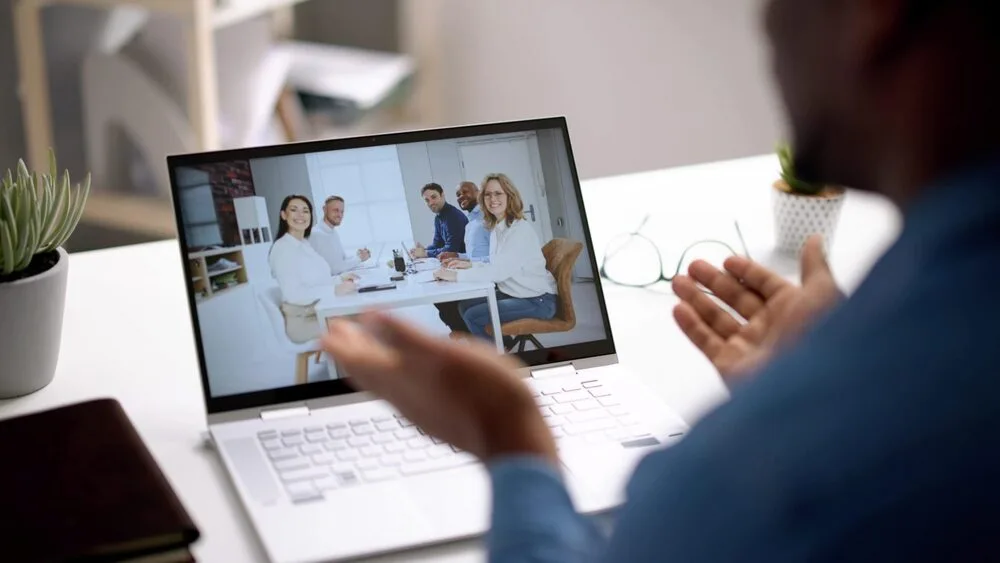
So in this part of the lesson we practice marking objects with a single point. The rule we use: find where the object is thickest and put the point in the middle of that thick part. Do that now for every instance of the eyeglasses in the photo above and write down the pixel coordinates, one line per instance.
(634, 260)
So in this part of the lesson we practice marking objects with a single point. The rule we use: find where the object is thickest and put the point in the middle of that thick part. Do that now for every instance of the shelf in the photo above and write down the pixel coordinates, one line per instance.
(215, 252)
(197, 279)
(226, 271)
(226, 290)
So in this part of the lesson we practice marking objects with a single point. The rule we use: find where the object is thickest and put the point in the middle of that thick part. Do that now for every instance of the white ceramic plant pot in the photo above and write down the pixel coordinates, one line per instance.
(797, 217)
(31, 316)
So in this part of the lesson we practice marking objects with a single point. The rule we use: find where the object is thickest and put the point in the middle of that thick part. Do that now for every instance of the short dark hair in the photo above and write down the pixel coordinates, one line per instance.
(432, 186)
(334, 198)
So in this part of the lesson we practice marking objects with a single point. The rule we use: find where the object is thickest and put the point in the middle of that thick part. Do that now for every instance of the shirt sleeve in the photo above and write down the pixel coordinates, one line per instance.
(452, 234)
(294, 289)
(504, 265)
(436, 245)
(533, 519)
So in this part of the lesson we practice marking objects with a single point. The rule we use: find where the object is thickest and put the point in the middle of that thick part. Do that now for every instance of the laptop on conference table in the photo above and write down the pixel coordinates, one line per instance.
(325, 472)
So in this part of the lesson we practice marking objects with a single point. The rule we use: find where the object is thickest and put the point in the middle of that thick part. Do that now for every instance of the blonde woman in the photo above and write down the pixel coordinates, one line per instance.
(525, 288)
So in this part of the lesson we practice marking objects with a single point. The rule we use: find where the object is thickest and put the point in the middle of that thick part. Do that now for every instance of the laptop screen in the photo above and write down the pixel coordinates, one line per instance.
(459, 231)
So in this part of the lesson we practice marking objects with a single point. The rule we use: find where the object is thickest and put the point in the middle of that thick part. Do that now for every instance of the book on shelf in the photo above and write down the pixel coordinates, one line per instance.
(84, 487)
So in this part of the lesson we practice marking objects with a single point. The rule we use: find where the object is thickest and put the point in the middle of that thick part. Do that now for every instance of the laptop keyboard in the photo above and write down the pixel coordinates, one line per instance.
(318, 458)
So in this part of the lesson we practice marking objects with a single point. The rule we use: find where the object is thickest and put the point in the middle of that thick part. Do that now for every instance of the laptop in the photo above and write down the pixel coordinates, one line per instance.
(327, 473)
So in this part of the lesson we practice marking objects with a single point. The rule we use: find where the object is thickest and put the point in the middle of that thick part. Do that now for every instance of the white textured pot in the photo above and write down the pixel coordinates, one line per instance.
(31, 316)
(797, 217)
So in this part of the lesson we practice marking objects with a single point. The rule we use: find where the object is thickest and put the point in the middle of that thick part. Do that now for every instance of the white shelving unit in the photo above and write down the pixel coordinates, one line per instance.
(200, 17)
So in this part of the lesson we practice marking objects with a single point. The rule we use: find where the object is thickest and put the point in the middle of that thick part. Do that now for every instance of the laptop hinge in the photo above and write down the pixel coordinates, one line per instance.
(557, 371)
(284, 413)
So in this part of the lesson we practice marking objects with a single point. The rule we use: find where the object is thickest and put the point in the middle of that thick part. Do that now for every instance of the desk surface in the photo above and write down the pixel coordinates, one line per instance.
(110, 347)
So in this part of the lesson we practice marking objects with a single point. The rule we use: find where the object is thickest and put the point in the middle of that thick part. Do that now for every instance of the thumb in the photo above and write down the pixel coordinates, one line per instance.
(814, 263)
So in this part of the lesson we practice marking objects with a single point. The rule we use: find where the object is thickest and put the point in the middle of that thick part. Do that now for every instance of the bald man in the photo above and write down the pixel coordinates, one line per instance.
(477, 238)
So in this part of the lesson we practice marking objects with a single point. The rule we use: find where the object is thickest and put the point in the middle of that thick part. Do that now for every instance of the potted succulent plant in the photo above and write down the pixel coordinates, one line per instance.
(802, 209)
(37, 214)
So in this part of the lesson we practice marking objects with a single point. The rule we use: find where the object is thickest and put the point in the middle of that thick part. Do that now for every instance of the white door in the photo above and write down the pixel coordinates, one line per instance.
(517, 157)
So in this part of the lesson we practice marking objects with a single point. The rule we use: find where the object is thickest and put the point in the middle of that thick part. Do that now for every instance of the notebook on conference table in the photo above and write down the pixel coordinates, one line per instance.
(84, 487)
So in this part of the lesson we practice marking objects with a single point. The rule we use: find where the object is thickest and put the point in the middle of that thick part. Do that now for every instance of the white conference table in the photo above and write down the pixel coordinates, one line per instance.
(110, 347)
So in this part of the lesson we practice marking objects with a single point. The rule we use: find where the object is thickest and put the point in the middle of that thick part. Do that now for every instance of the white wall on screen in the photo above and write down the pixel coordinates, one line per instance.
(564, 206)
(415, 166)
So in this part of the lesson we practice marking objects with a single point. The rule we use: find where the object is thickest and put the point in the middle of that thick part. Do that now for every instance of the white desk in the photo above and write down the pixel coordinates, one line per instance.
(408, 293)
(109, 347)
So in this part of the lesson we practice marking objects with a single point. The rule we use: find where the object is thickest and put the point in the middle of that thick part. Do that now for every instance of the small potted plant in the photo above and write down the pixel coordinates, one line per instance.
(37, 214)
(802, 209)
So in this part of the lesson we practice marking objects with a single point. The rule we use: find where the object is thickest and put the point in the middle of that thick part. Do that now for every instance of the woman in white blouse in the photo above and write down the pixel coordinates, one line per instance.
(303, 275)
(525, 288)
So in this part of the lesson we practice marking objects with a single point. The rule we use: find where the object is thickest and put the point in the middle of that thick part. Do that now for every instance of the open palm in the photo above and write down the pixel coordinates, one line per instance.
(771, 311)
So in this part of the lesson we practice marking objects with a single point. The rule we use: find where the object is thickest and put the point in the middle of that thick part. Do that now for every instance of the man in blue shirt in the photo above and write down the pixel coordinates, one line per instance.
(858, 429)
(477, 249)
(449, 225)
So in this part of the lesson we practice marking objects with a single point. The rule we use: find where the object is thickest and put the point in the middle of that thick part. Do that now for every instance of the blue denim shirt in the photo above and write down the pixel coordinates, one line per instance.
(876, 438)
(449, 231)
(477, 238)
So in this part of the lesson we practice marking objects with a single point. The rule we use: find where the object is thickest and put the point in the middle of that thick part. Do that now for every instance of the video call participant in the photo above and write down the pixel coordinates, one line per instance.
(477, 249)
(449, 225)
(525, 288)
(326, 240)
(303, 275)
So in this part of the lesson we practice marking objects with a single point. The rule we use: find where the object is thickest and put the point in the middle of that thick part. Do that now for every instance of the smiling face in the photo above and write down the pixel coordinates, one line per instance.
(334, 212)
(495, 199)
(298, 217)
(434, 200)
(466, 195)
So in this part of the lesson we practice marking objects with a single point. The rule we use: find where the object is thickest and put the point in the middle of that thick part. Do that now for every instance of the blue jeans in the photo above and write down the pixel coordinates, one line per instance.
(476, 312)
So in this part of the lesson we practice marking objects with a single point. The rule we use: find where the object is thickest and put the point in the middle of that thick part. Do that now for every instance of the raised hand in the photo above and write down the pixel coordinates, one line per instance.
(465, 394)
(773, 311)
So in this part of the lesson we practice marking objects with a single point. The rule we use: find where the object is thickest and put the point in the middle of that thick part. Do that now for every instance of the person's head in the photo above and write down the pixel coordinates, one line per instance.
(295, 217)
(333, 210)
(886, 94)
(500, 201)
(467, 195)
(433, 195)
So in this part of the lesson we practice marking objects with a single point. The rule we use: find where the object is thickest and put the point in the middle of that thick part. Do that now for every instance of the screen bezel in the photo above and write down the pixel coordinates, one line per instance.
(321, 389)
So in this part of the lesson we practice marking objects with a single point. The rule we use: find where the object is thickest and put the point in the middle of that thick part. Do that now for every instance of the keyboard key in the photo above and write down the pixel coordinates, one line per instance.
(387, 425)
(346, 477)
(587, 427)
(591, 384)
(307, 474)
(383, 438)
(557, 432)
(383, 418)
(390, 460)
(313, 429)
(572, 396)
(628, 420)
(336, 445)
(561, 409)
(358, 422)
(367, 463)
(335, 425)
(358, 441)
(283, 453)
(419, 442)
(544, 401)
(379, 474)
(286, 464)
(316, 437)
(552, 391)
(616, 434)
(395, 447)
(405, 433)
(371, 451)
(600, 392)
(347, 455)
(363, 430)
(323, 459)
(608, 401)
(302, 492)
(571, 387)
(584, 416)
(554, 421)
(266, 434)
(340, 433)
(436, 440)
(437, 464)
(414, 455)
(271, 444)
(586, 405)
(310, 449)
(326, 483)
(617, 411)
(404, 422)
(291, 432)
(440, 451)
(290, 441)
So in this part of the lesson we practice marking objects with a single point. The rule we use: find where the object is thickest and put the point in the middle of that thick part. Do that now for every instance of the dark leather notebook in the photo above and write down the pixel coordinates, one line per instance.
(79, 484)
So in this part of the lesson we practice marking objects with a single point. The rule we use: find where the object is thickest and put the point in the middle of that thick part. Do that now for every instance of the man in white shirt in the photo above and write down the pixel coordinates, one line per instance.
(326, 240)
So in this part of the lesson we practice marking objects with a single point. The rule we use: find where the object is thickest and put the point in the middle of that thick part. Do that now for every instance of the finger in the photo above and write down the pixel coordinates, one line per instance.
(400, 335)
(755, 277)
(721, 322)
(367, 361)
(814, 264)
(726, 288)
(698, 332)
